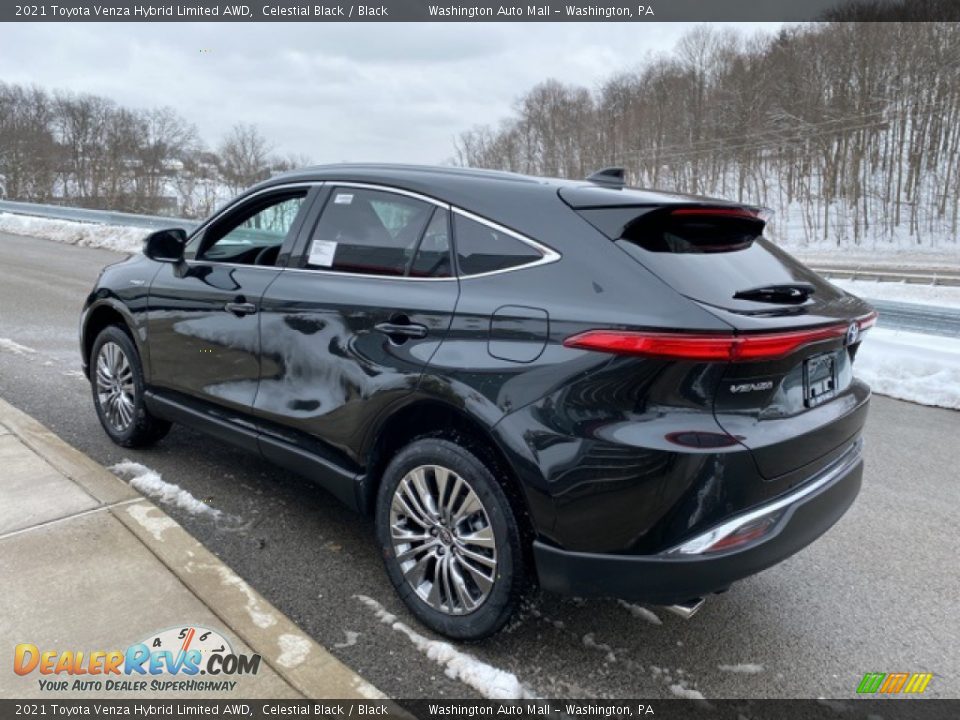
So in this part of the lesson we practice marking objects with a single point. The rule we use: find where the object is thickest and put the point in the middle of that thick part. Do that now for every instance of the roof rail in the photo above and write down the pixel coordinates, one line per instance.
(610, 177)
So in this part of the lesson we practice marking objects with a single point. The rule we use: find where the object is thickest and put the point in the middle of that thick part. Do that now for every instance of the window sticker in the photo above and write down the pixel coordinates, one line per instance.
(322, 252)
(343, 199)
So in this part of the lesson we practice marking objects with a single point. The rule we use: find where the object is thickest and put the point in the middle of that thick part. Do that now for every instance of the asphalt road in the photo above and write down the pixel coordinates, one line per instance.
(879, 593)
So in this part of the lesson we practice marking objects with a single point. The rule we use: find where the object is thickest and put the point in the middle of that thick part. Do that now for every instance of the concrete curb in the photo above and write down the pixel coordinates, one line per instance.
(304, 664)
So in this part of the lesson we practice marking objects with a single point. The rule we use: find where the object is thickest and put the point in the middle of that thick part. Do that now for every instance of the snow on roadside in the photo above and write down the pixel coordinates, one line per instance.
(924, 369)
(682, 691)
(151, 483)
(638, 611)
(15, 347)
(492, 683)
(120, 238)
(942, 295)
(743, 668)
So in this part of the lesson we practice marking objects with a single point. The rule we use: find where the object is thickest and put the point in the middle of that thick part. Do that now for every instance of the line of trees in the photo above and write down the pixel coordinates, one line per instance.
(88, 151)
(850, 131)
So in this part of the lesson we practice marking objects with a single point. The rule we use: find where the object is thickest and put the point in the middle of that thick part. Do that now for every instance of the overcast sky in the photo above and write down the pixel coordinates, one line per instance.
(336, 92)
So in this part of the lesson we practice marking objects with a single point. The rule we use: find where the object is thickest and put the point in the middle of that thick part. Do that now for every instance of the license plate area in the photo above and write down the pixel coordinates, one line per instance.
(819, 379)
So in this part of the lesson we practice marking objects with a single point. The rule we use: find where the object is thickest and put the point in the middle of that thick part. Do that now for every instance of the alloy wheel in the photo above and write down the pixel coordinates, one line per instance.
(443, 539)
(116, 392)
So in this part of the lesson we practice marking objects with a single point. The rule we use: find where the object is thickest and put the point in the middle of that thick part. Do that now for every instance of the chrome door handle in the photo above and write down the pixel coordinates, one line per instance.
(240, 308)
(399, 330)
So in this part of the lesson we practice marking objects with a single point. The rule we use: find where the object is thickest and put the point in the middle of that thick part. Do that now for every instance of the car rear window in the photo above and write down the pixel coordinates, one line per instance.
(709, 254)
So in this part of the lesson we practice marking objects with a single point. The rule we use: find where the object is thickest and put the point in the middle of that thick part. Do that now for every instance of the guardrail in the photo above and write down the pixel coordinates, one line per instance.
(104, 217)
(916, 277)
(918, 318)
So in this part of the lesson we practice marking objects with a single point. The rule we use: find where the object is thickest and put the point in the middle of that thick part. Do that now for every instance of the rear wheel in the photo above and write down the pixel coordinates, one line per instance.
(449, 539)
(117, 383)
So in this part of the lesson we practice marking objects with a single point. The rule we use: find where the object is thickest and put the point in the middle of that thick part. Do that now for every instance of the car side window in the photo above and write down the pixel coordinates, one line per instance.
(482, 249)
(369, 232)
(253, 234)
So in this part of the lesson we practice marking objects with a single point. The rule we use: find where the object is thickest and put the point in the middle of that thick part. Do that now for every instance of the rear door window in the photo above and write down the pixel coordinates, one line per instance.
(482, 248)
(370, 232)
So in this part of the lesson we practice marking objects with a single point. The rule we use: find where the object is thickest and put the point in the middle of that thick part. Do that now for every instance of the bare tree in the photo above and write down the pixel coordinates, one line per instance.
(244, 157)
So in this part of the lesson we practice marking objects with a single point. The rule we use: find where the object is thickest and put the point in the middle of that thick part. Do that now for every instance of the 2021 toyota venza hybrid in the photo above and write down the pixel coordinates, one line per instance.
(616, 391)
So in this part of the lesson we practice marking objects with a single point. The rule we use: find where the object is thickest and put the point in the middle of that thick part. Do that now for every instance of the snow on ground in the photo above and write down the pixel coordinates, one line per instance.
(16, 348)
(682, 691)
(492, 683)
(941, 295)
(911, 366)
(150, 483)
(121, 238)
(638, 611)
(743, 668)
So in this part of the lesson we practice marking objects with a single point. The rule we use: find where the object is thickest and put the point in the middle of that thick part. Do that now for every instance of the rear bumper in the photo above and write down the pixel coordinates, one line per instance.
(671, 577)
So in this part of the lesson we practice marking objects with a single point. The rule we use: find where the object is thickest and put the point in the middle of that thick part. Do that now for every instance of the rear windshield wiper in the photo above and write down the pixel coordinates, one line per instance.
(788, 293)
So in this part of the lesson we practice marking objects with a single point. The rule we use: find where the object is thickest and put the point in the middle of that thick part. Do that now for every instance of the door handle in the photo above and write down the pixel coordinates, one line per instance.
(240, 308)
(401, 330)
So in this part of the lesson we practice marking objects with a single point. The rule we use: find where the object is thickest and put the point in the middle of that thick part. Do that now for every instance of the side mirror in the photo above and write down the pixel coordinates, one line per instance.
(165, 245)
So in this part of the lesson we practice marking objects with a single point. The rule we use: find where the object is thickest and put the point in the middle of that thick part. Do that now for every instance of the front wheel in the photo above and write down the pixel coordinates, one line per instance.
(117, 383)
(449, 539)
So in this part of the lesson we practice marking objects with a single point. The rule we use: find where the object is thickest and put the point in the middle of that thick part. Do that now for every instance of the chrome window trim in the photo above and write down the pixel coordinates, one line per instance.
(308, 185)
(387, 188)
(547, 254)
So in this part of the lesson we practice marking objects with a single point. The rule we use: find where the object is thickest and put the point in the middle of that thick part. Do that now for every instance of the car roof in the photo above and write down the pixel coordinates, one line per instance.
(449, 183)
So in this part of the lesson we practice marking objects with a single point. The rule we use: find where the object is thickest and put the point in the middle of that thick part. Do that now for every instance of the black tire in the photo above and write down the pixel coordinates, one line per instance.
(508, 582)
(143, 428)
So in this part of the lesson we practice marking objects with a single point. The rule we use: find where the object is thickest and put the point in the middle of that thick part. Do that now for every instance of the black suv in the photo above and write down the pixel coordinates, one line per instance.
(625, 392)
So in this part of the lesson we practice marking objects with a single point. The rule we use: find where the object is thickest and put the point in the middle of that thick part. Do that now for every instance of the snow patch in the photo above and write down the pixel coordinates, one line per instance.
(120, 238)
(591, 642)
(745, 668)
(351, 639)
(15, 347)
(151, 483)
(260, 617)
(682, 691)
(491, 682)
(294, 650)
(641, 612)
(911, 366)
(156, 525)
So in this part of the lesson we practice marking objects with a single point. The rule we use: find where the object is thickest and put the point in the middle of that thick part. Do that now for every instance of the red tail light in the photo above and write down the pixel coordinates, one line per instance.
(867, 322)
(708, 347)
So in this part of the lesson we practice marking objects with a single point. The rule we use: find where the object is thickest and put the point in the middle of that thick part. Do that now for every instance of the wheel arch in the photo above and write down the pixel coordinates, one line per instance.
(101, 315)
(439, 419)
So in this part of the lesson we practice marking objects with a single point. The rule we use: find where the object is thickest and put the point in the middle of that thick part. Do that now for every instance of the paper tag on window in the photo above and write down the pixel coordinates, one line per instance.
(343, 199)
(322, 252)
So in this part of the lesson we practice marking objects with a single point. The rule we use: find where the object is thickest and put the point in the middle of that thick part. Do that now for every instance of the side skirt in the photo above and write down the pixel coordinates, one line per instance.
(346, 486)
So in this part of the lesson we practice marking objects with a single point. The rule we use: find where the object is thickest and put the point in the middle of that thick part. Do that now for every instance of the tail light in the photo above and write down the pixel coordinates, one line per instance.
(721, 347)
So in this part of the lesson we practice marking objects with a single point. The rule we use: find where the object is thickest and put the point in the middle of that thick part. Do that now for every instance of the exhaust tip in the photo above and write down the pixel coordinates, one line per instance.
(687, 609)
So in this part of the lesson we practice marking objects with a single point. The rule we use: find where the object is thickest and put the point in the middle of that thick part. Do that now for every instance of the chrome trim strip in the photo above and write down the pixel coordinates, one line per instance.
(548, 255)
(698, 544)
(236, 201)
(388, 188)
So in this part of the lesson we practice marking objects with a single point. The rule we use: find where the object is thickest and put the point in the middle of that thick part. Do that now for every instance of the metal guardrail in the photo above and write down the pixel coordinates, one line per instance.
(103, 217)
(893, 315)
(918, 318)
(916, 277)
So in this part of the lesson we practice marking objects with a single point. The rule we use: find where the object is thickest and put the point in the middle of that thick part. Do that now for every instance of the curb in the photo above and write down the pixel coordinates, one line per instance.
(304, 664)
